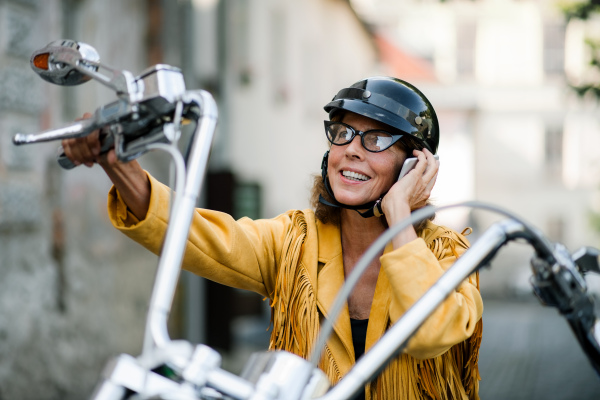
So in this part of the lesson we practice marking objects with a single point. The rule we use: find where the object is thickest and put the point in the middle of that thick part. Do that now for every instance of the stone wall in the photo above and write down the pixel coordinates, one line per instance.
(73, 291)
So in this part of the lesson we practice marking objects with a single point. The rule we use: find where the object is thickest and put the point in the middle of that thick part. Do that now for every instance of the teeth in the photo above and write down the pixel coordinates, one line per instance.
(354, 175)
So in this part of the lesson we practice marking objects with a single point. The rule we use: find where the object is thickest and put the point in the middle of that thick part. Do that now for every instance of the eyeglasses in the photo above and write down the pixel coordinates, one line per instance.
(374, 140)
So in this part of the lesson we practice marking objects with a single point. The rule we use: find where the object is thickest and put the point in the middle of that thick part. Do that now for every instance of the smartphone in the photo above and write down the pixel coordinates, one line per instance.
(409, 164)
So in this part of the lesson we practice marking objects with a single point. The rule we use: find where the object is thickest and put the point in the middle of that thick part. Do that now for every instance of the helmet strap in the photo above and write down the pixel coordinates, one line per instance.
(373, 208)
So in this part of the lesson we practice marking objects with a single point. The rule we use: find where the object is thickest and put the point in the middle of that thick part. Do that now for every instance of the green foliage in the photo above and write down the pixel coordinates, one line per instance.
(581, 10)
(582, 90)
(594, 220)
(584, 10)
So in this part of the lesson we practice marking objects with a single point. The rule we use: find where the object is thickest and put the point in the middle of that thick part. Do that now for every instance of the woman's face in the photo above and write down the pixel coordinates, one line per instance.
(376, 171)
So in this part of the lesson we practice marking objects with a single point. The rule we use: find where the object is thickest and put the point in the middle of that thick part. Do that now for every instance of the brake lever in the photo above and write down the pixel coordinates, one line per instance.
(74, 130)
(103, 116)
(587, 259)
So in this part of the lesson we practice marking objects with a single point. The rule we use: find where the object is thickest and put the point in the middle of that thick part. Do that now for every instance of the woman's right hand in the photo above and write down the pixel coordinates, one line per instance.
(83, 150)
(130, 180)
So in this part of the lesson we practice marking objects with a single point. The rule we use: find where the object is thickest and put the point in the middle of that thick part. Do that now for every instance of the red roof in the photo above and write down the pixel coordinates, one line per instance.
(401, 64)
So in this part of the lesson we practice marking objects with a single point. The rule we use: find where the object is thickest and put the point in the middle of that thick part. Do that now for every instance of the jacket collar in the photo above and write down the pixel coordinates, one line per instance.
(330, 280)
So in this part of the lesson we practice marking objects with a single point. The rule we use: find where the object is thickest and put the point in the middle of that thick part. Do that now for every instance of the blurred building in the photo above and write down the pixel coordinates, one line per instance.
(73, 291)
(513, 133)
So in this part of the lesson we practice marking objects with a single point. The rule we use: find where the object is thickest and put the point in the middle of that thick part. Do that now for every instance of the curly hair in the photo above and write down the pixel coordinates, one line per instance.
(324, 213)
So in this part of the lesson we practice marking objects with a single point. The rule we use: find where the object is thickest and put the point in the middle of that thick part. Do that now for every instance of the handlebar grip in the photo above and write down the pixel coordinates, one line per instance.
(63, 161)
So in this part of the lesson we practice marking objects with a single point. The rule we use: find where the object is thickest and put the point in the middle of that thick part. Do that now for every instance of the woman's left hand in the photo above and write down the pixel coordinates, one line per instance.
(413, 190)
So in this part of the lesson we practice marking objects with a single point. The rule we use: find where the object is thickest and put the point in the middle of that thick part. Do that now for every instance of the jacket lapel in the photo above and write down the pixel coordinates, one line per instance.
(378, 318)
(330, 280)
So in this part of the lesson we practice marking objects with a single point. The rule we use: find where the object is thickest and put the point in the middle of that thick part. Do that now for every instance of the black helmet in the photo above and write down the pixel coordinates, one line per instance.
(393, 102)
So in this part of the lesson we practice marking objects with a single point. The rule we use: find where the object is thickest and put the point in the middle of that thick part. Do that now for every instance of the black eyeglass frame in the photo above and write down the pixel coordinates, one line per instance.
(395, 138)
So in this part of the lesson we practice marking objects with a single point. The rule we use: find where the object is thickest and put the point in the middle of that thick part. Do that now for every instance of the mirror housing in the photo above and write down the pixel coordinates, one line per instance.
(65, 62)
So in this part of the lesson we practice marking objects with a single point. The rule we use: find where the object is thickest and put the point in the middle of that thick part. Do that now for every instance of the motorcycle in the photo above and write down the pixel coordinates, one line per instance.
(147, 115)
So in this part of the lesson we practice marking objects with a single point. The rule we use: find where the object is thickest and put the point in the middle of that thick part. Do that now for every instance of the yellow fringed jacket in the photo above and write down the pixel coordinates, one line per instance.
(296, 261)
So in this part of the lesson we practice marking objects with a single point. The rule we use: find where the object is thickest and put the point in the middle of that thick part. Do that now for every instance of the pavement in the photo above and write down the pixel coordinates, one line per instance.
(529, 352)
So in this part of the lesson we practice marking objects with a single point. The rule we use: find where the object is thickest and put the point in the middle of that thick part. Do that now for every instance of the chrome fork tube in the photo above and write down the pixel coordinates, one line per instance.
(169, 265)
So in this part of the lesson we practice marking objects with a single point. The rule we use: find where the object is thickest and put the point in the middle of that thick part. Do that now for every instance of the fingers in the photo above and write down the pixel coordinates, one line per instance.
(85, 116)
(432, 166)
(432, 171)
(83, 150)
(425, 176)
(427, 166)
(108, 159)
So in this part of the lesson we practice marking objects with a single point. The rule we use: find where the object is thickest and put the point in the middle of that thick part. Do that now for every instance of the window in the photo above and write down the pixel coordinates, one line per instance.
(278, 55)
(465, 48)
(554, 48)
(239, 24)
(553, 150)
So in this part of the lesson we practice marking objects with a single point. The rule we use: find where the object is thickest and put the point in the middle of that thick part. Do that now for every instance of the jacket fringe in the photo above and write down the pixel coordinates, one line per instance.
(329, 366)
(295, 318)
(294, 311)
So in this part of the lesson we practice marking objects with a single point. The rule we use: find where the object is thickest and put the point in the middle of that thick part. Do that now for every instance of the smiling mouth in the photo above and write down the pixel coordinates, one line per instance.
(355, 176)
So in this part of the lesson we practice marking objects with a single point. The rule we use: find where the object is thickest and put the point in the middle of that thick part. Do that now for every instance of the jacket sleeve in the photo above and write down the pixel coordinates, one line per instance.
(242, 254)
(412, 270)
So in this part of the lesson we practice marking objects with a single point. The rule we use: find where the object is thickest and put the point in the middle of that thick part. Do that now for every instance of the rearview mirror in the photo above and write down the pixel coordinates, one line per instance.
(65, 62)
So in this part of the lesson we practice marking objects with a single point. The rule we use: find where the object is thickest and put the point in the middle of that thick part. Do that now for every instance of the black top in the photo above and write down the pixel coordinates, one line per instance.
(359, 339)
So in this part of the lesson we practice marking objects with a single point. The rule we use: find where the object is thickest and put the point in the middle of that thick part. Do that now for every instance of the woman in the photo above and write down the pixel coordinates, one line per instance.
(301, 258)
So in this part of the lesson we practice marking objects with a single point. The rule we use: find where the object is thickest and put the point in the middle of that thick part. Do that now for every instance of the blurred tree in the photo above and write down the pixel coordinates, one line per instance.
(584, 11)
